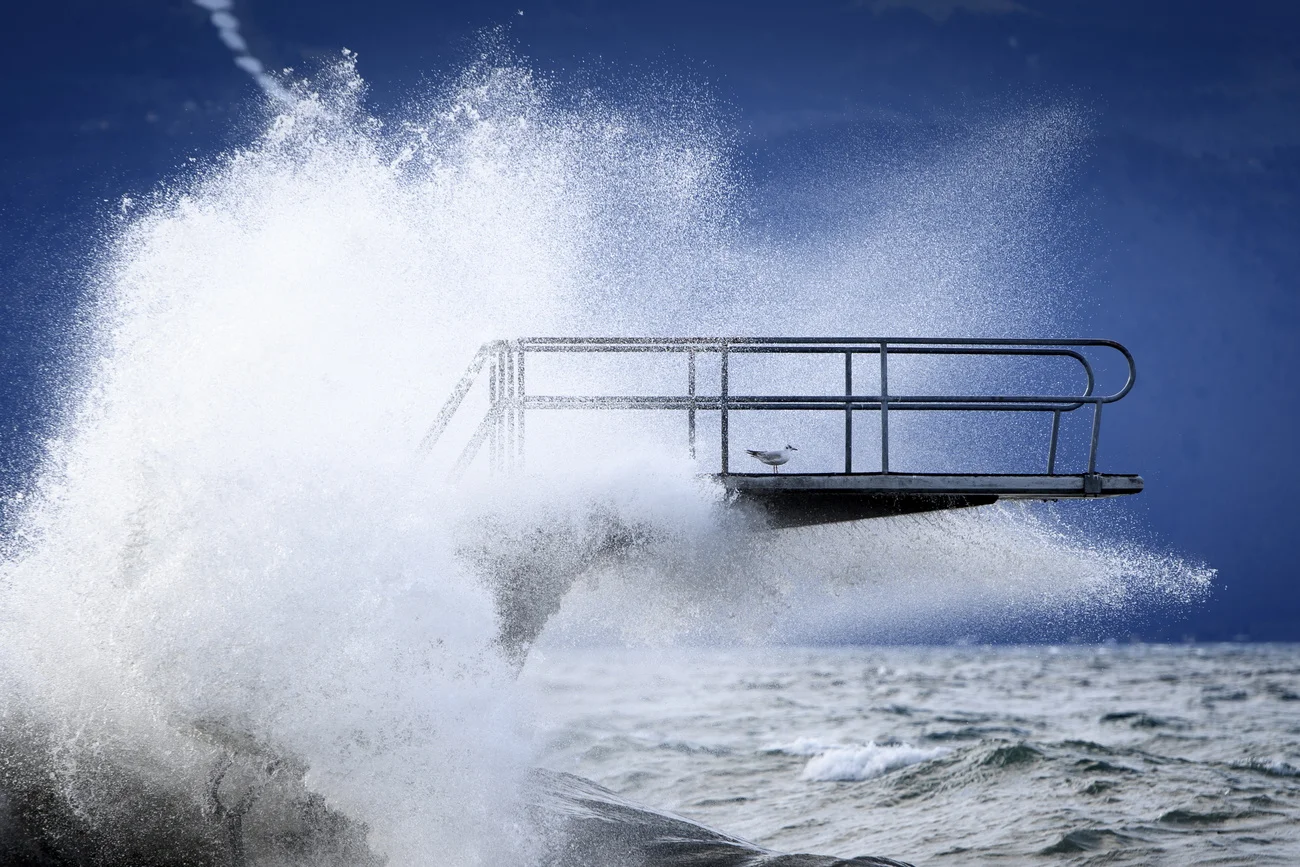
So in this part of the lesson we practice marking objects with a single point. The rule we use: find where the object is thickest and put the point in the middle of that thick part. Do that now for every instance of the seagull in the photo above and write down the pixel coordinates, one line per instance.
(773, 459)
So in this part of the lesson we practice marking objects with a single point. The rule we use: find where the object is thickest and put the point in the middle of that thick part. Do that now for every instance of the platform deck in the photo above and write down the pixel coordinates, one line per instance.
(800, 499)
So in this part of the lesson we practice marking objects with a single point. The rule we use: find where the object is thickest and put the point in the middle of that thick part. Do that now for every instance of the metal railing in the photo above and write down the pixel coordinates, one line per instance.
(503, 425)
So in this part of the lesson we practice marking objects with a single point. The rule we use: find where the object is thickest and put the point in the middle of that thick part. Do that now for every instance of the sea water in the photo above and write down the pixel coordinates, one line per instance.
(1129, 754)
(244, 620)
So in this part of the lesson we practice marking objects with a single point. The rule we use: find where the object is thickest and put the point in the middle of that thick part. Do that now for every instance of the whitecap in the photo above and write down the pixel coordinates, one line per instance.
(856, 763)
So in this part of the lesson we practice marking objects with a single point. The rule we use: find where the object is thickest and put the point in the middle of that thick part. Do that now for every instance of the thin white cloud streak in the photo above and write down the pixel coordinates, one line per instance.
(227, 25)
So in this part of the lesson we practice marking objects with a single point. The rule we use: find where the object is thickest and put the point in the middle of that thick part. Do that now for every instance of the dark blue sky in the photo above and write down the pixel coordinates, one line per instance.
(1191, 184)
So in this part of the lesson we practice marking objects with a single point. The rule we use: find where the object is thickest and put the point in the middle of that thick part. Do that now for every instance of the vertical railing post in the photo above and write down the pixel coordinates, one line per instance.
(508, 453)
(722, 406)
(519, 397)
(1051, 450)
(690, 392)
(848, 412)
(492, 410)
(1096, 432)
(503, 403)
(884, 407)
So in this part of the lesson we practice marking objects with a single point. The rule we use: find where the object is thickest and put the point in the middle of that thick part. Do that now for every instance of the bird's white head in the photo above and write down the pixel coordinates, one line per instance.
(791, 448)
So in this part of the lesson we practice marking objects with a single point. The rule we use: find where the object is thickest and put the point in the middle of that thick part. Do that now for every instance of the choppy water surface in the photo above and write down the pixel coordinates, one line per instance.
(1074, 755)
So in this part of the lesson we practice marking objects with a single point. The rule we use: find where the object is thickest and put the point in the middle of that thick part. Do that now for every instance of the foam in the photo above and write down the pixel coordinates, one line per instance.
(1272, 767)
(802, 746)
(853, 762)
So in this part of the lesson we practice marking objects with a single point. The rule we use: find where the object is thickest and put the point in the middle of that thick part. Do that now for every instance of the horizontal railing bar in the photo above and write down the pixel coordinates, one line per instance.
(839, 400)
(918, 407)
(835, 402)
(529, 342)
(794, 349)
(707, 404)
(828, 349)
(813, 407)
(1008, 349)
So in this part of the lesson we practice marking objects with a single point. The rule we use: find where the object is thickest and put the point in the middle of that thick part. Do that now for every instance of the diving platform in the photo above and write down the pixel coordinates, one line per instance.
(716, 384)
(801, 499)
